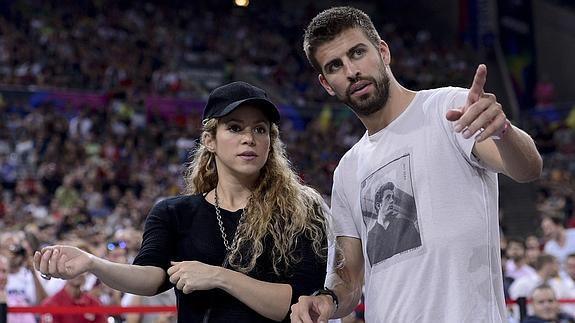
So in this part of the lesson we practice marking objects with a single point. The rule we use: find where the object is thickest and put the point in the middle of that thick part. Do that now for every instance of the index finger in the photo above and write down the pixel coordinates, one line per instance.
(173, 268)
(478, 84)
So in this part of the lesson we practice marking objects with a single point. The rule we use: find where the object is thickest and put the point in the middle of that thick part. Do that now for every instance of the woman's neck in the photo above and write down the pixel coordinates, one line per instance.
(232, 196)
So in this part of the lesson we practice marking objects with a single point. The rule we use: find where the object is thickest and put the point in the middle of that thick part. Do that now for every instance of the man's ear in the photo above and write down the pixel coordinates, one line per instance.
(385, 53)
(325, 85)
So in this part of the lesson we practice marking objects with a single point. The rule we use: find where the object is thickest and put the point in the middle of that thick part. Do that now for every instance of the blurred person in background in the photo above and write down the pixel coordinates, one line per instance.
(532, 249)
(546, 272)
(560, 241)
(247, 241)
(517, 266)
(3, 280)
(546, 308)
(72, 295)
(167, 298)
(568, 272)
(444, 147)
(23, 287)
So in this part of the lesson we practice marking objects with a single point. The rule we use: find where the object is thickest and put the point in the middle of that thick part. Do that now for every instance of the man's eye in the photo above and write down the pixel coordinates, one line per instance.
(334, 67)
(358, 52)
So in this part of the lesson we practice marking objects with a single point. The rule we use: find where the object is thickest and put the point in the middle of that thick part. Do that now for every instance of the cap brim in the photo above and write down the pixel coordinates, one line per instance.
(267, 107)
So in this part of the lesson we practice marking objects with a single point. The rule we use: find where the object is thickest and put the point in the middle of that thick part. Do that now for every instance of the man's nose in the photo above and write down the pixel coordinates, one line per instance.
(351, 70)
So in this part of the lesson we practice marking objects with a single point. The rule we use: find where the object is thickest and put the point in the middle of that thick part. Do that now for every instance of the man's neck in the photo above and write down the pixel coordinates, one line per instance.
(399, 99)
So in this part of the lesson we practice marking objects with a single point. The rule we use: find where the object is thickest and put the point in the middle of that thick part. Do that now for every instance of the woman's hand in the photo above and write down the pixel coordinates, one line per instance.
(189, 276)
(62, 262)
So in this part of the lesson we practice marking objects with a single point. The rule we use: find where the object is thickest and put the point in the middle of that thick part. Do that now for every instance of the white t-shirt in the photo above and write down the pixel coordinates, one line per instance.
(511, 270)
(561, 252)
(438, 259)
(21, 291)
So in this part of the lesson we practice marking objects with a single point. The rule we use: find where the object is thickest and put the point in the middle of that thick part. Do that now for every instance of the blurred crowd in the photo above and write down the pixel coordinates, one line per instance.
(88, 176)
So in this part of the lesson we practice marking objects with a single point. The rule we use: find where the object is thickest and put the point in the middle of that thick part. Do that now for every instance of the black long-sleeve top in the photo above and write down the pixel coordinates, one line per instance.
(185, 228)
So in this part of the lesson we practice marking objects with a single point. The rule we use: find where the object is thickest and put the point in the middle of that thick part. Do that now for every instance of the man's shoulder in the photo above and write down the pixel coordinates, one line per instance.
(351, 156)
(449, 95)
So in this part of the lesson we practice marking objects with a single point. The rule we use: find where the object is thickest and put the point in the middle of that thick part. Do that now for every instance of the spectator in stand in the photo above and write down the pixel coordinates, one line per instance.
(72, 295)
(3, 280)
(516, 265)
(532, 249)
(568, 272)
(546, 272)
(167, 298)
(23, 287)
(546, 308)
(560, 241)
(507, 281)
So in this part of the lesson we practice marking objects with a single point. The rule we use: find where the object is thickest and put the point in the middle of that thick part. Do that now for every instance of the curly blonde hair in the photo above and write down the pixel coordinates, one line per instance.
(280, 208)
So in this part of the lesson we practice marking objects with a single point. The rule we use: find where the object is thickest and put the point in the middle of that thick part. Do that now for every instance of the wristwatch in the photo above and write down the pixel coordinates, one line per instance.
(327, 291)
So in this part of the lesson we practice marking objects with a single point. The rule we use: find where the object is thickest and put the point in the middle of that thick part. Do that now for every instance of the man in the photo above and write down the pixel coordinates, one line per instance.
(72, 295)
(546, 307)
(561, 241)
(3, 279)
(438, 146)
(394, 231)
(517, 267)
(23, 286)
(568, 272)
(546, 272)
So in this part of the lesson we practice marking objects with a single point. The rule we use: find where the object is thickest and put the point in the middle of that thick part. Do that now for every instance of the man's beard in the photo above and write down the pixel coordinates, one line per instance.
(367, 104)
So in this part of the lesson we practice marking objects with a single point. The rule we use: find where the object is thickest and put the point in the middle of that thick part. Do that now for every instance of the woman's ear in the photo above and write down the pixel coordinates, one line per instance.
(209, 142)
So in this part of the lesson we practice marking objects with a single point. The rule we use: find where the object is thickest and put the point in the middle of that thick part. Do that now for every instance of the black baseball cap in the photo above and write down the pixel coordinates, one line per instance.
(226, 98)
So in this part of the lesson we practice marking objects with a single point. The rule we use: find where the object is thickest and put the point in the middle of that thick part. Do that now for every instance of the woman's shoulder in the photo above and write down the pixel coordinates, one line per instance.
(176, 202)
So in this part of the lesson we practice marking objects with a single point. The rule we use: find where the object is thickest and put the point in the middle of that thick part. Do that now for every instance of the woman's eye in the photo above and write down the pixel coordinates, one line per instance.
(260, 130)
(235, 128)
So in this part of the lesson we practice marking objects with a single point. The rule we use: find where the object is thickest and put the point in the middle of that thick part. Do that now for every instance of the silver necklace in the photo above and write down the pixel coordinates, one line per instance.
(229, 247)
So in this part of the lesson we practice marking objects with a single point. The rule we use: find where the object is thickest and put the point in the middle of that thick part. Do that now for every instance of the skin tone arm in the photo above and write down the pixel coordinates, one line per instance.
(268, 299)
(515, 153)
(346, 282)
(68, 262)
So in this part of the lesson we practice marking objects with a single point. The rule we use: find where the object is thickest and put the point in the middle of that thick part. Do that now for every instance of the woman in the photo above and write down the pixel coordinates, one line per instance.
(246, 241)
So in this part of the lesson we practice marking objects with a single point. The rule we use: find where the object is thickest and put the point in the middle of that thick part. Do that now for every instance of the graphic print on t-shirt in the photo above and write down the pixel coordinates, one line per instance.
(389, 211)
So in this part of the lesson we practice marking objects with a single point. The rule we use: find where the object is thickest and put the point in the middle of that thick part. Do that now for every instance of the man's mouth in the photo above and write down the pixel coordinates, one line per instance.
(359, 88)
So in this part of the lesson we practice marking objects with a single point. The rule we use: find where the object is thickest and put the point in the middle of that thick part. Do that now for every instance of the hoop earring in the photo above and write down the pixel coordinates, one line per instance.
(211, 164)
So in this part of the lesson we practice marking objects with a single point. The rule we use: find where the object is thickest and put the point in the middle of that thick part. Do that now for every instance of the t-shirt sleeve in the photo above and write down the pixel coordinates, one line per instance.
(455, 99)
(157, 243)
(341, 212)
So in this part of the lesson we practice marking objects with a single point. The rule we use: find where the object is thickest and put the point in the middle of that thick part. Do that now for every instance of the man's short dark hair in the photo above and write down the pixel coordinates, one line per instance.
(517, 240)
(328, 24)
(543, 286)
(542, 260)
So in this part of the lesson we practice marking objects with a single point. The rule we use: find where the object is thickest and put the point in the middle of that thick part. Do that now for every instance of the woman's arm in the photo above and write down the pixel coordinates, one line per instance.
(268, 299)
(67, 262)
